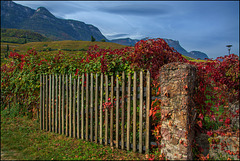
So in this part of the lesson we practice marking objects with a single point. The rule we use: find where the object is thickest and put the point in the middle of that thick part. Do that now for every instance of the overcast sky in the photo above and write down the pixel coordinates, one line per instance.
(206, 26)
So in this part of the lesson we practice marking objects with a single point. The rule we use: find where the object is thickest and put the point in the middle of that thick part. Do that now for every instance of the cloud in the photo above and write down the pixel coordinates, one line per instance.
(116, 36)
(136, 9)
(197, 25)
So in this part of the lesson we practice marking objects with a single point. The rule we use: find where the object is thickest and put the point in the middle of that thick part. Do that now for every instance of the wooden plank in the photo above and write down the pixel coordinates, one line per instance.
(106, 110)
(47, 103)
(123, 110)
(82, 108)
(56, 111)
(44, 109)
(63, 105)
(134, 111)
(53, 103)
(59, 105)
(50, 103)
(70, 105)
(78, 109)
(117, 111)
(96, 109)
(41, 105)
(128, 110)
(67, 107)
(101, 108)
(140, 113)
(111, 114)
(91, 109)
(148, 104)
(74, 108)
(87, 105)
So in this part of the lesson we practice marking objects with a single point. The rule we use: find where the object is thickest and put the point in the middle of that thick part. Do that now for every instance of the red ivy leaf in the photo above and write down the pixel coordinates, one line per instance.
(199, 123)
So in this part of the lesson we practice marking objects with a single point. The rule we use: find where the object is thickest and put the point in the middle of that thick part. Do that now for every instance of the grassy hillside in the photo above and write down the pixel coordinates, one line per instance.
(68, 46)
(21, 36)
(65, 46)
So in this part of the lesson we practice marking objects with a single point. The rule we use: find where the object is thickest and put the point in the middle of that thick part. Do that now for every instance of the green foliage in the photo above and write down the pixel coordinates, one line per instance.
(218, 80)
(21, 36)
(92, 39)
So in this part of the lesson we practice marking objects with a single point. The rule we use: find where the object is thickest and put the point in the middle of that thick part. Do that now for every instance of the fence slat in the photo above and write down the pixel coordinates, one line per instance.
(117, 111)
(63, 105)
(44, 112)
(140, 113)
(111, 114)
(101, 112)
(74, 107)
(134, 111)
(41, 105)
(47, 103)
(128, 110)
(56, 107)
(106, 110)
(96, 108)
(82, 108)
(78, 110)
(59, 105)
(91, 109)
(87, 104)
(56, 111)
(70, 105)
(148, 104)
(123, 102)
(53, 103)
(50, 103)
(67, 106)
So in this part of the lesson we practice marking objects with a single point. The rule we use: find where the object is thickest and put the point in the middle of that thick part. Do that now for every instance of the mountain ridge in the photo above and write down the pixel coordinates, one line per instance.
(42, 21)
(172, 43)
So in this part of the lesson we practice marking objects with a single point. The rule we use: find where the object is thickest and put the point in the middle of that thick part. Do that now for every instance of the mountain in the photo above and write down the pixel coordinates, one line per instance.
(193, 54)
(199, 54)
(42, 21)
(172, 43)
(125, 41)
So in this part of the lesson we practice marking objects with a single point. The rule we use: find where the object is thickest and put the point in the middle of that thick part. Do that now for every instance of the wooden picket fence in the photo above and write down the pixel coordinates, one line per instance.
(74, 106)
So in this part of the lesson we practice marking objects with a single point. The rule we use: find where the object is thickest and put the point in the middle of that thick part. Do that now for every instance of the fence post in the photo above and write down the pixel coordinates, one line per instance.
(148, 106)
(134, 111)
(128, 110)
(117, 111)
(82, 108)
(141, 114)
(177, 82)
(101, 112)
(50, 103)
(106, 110)
(123, 102)
(41, 98)
(96, 109)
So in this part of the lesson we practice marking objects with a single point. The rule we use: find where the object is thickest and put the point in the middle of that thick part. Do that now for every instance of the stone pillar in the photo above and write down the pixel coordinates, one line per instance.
(178, 82)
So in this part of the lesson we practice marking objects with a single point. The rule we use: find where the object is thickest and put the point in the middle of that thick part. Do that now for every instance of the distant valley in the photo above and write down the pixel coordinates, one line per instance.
(52, 28)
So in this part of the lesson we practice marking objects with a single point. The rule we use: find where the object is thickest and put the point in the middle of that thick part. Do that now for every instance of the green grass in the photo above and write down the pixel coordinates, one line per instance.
(68, 46)
(21, 138)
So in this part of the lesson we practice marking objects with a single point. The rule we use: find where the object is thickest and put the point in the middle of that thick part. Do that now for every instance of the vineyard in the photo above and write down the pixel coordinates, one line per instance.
(218, 81)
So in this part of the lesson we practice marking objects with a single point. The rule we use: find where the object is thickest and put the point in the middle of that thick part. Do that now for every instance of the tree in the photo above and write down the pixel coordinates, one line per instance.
(7, 48)
(92, 39)
(6, 55)
(103, 40)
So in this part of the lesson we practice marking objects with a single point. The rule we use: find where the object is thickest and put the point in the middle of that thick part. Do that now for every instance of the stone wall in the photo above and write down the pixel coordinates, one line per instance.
(177, 81)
